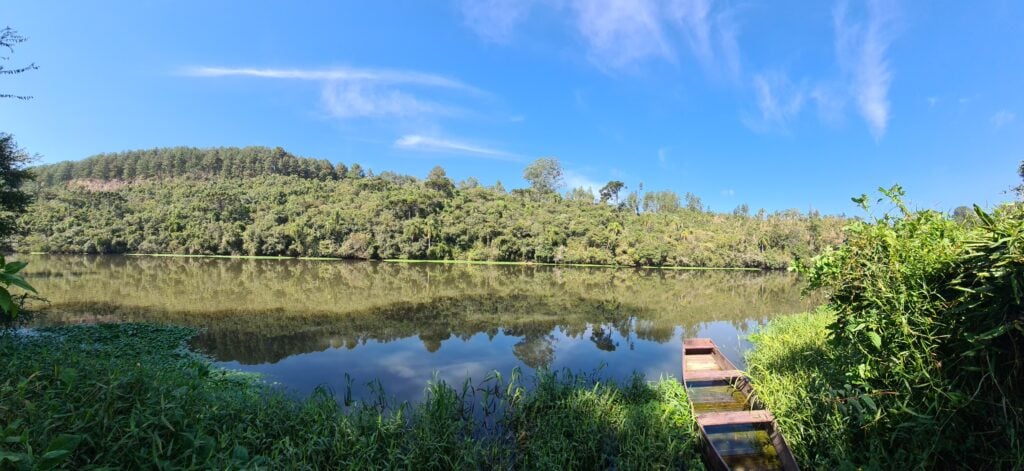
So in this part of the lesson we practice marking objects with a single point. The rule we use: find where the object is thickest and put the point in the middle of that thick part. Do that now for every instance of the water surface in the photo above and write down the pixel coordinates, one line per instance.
(304, 323)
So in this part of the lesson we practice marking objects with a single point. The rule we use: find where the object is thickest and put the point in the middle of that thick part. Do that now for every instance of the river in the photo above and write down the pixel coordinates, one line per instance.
(304, 323)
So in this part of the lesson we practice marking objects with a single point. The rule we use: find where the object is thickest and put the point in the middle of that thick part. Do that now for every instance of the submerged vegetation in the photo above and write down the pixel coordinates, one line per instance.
(131, 396)
(261, 201)
(918, 363)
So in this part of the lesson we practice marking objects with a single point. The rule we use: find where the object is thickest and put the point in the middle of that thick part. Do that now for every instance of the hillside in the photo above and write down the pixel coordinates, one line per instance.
(262, 201)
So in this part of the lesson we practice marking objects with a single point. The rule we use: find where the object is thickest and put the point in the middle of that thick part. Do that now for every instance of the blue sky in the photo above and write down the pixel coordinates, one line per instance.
(776, 104)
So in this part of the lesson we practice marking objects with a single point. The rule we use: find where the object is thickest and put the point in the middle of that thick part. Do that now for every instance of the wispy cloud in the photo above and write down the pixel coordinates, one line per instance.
(710, 35)
(417, 142)
(353, 100)
(1002, 118)
(728, 192)
(495, 20)
(779, 101)
(360, 92)
(861, 48)
(578, 180)
(381, 76)
(620, 33)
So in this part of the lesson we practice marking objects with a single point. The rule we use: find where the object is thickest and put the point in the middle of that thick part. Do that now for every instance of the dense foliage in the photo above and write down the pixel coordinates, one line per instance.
(258, 201)
(13, 176)
(130, 396)
(924, 363)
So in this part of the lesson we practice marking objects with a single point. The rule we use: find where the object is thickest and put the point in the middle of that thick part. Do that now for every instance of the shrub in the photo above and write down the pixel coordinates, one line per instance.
(928, 318)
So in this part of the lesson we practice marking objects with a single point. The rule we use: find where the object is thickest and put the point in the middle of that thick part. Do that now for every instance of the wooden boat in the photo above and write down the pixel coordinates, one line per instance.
(737, 431)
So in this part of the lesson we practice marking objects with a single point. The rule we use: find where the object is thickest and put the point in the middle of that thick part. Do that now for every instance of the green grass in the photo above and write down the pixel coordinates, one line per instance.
(132, 396)
(795, 371)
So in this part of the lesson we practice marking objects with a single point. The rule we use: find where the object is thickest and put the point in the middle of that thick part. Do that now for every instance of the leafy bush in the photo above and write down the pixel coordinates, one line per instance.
(928, 328)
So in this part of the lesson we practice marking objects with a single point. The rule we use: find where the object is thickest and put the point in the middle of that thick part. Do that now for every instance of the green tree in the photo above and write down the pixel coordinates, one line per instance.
(963, 214)
(661, 201)
(340, 170)
(438, 180)
(13, 174)
(580, 194)
(610, 191)
(632, 202)
(544, 175)
(693, 202)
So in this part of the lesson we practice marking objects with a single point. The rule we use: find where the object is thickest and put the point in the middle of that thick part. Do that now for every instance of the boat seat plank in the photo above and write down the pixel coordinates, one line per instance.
(701, 362)
(698, 343)
(713, 375)
(711, 419)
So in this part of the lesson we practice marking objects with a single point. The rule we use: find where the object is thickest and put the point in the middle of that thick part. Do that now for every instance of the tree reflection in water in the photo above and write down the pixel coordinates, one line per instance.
(264, 311)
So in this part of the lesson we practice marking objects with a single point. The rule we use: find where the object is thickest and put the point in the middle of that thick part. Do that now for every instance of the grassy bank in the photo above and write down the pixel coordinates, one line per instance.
(918, 363)
(132, 396)
(799, 376)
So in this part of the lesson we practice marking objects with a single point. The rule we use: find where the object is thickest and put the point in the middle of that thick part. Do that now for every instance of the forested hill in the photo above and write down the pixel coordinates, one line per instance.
(262, 201)
(223, 162)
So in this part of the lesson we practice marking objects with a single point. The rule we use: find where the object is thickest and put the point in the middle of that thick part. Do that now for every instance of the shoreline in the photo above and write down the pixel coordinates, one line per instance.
(422, 261)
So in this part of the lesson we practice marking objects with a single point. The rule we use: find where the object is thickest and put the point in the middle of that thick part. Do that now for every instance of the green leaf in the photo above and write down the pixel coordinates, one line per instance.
(68, 375)
(876, 340)
(17, 281)
(9, 455)
(64, 442)
(7, 304)
(55, 455)
(14, 267)
(59, 449)
(870, 402)
(240, 453)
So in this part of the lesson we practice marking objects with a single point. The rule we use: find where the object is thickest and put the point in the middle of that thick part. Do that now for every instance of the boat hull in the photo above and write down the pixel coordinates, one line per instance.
(737, 431)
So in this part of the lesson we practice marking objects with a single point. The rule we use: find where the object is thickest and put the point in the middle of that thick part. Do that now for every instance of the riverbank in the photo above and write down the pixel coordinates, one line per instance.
(124, 395)
(129, 395)
(422, 261)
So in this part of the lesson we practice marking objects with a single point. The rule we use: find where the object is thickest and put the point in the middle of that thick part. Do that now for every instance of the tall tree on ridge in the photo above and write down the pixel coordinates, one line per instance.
(544, 175)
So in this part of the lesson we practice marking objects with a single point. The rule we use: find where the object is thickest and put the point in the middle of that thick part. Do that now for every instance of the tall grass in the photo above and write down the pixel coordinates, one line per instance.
(920, 366)
(132, 396)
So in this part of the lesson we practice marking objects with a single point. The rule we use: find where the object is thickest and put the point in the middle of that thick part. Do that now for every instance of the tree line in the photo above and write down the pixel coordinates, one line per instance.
(262, 201)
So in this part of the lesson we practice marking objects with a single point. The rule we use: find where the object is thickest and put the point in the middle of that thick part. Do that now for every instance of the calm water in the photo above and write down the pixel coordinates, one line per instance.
(307, 323)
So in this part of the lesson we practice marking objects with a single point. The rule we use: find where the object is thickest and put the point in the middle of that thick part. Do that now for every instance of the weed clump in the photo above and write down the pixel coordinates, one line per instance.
(919, 362)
